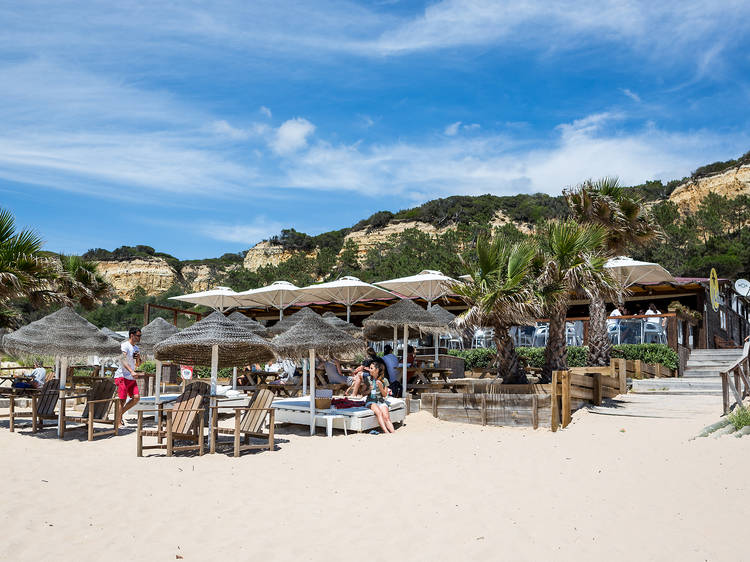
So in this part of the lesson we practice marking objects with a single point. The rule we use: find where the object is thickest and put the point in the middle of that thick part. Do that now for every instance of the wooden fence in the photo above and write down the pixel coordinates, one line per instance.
(737, 380)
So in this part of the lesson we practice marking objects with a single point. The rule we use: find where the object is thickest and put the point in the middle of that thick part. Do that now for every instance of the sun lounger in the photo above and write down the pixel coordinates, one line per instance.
(248, 425)
(43, 402)
(297, 411)
(185, 422)
(99, 400)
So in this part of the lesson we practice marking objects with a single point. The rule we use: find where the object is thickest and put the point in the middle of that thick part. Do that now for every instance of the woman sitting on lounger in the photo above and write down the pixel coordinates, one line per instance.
(377, 392)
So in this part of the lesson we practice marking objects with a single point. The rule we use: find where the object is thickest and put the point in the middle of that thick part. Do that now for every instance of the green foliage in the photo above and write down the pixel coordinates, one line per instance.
(717, 167)
(203, 372)
(148, 367)
(534, 356)
(130, 252)
(740, 417)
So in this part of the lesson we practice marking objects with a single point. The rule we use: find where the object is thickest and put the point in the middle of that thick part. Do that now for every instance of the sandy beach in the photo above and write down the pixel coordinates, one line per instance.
(615, 487)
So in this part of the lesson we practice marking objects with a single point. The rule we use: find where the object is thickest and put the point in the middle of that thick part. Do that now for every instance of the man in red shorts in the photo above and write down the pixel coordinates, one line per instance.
(125, 373)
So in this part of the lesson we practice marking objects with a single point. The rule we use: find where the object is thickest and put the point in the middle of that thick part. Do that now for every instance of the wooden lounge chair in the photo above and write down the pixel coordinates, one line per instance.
(99, 401)
(185, 422)
(43, 402)
(248, 425)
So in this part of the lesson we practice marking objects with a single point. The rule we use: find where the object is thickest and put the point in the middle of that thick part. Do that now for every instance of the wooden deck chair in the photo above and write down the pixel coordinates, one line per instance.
(43, 402)
(248, 425)
(99, 400)
(185, 422)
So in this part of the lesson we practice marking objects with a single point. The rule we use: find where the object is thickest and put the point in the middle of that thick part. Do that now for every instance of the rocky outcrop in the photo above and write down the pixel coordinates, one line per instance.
(730, 183)
(154, 275)
(202, 277)
(264, 253)
(366, 239)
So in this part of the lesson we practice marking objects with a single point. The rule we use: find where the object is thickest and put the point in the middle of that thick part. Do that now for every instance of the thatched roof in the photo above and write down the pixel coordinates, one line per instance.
(342, 324)
(443, 316)
(114, 335)
(61, 334)
(380, 333)
(403, 312)
(237, 344)
(288, 321)
(312, 332)
(156, 331)
(253, 325)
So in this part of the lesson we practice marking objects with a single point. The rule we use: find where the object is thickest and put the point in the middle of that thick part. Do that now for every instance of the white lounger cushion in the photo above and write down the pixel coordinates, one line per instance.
(297, 411)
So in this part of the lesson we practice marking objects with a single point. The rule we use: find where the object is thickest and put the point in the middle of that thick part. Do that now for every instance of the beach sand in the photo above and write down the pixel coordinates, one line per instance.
(608, 487)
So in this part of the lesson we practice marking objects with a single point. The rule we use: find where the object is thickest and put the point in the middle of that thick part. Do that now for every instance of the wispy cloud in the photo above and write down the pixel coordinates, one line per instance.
(249, 234)
(265, 111)
(632, 95)
(292, 135)
(452, 129)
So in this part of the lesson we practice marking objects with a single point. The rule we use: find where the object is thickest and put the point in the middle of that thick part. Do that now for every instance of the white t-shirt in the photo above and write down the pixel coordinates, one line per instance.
(39, 375)
(128, 350)
(650, 312)
(391, 365)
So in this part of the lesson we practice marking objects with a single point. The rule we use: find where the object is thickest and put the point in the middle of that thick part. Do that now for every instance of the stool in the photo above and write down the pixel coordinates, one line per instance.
(329, 422)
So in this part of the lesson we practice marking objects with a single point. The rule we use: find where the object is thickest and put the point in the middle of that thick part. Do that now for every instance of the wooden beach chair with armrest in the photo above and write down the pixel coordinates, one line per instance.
(99, 400)
(184, 421)
(43, 402)
(248, 425)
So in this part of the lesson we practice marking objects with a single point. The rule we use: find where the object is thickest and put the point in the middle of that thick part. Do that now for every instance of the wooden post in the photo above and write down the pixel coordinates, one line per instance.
(566, 417)
(555, 408)
(623, 376)
(638, 373)
(672, 328)
(725, 392)
(174, 318)
(535, 411)
(146, 314)
(139, 438)
(435, 405)
(597, 389)
(484, 408)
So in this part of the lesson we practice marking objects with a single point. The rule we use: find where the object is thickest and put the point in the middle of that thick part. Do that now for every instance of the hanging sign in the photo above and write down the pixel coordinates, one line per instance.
(713, 290)
(742, 286)
(186, 371)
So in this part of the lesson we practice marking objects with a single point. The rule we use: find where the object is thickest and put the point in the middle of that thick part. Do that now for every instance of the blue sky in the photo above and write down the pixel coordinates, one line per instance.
(202, 128)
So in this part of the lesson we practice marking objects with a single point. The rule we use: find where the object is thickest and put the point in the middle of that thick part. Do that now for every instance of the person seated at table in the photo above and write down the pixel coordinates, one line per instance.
(287, 371)
(38, 375)
(391, 363)
(377, 393)
(411, 357)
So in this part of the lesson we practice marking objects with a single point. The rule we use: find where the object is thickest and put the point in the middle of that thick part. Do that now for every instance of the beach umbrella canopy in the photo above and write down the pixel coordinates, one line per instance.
(253, 325)
(311, 334)
(195, 345)
(428, 284)
(341, 324)
(288, 321)
(629, 271)
(61, 334)
(114, 335)
(347, 291)
(154, 332)
(218, 298)
(279, 294)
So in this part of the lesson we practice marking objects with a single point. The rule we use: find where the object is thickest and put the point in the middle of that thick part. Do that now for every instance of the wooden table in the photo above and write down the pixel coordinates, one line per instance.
(261, 377)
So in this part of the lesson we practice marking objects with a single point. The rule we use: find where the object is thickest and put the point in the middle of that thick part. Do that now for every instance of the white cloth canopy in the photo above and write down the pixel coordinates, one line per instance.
(218, 298)
(630, 271)
(346, 291)
(279, 295)
(427, 284)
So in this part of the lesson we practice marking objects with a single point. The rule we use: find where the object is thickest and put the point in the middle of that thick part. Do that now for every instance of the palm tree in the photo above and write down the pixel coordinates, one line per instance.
(500, 294)
(80, 281)
(627, 222)
(573, 259)
(25, 272)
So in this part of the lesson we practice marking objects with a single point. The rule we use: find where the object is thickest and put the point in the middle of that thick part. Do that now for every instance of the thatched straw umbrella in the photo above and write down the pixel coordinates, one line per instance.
(342, 324)
(216, 341)
(254, 326)
(446, 319)
(404, 313)
(308, 335)
(288, 321)
(114, 335)
(65, 335)
(154, 332)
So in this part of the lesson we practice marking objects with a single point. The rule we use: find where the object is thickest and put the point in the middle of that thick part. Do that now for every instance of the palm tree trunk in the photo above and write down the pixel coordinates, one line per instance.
(599, 344)
(507, 359)
(556, 352)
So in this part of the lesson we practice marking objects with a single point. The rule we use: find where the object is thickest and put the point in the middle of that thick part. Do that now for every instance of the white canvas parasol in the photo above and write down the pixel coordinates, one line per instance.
(279, 294)
(427, 284)
(218, 298)
(630, 271)
(346, 291)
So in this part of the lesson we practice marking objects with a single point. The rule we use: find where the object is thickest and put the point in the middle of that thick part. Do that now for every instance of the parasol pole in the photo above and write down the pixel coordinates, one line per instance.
(403, 358)
(214, 375)
(304, 377)
(281, 306)
(234, 378)
(395, 338)
(312, 391)
(63, 376)
(157, 389)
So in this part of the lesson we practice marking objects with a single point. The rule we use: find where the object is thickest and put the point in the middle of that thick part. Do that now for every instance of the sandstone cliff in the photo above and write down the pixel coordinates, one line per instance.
(154, 275)
(730, 183)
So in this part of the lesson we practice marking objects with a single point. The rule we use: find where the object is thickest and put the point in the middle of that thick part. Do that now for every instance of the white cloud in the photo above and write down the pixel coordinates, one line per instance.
(225, 129)
(249, 234)
(292, 135)
(632, 95)
(452, 129)
(265, 111)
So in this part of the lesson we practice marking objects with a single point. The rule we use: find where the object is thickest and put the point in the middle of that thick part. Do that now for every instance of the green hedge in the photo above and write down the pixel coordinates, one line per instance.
(534, 356)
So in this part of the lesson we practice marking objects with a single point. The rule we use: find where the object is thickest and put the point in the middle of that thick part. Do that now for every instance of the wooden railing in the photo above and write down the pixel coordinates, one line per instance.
(737, 380)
